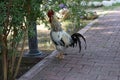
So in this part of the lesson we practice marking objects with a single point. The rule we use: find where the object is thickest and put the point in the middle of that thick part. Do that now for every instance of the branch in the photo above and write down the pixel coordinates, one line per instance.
(21, 55)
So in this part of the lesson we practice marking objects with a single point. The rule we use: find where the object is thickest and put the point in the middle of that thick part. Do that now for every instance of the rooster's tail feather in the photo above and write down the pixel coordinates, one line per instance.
(76, 39)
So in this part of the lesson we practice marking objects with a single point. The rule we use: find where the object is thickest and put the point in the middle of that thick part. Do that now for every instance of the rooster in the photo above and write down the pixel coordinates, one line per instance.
(60, 38)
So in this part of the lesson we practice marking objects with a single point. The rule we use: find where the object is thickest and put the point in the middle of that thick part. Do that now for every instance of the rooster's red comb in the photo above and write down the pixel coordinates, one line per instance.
(50, 13)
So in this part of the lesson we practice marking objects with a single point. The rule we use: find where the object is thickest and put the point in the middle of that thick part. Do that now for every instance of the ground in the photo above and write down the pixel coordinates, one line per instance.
(44, 44)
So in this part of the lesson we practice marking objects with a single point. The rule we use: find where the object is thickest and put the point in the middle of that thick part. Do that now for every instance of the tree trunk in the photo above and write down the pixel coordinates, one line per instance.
(5, 66)
(4, 58)
(20, 57)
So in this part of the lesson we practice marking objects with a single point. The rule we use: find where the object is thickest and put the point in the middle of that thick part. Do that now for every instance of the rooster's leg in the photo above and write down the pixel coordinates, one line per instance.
(60, 56)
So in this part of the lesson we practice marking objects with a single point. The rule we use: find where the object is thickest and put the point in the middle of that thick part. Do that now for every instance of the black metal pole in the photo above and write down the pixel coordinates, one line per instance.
(33, 42)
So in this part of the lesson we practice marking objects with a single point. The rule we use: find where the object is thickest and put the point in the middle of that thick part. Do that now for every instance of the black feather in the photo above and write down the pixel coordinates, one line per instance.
(76, 38)
(81, 36)
(62, 43)
(79, 42)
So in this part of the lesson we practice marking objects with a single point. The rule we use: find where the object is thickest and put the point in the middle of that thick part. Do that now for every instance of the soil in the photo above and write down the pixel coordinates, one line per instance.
(28, 62)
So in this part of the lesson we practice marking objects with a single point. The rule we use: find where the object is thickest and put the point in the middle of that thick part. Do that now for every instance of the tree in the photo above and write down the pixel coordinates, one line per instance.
(15, 19)
(76, 8)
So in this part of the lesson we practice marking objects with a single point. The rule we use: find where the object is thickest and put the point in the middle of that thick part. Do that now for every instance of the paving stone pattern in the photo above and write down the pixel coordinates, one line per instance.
(101, 59)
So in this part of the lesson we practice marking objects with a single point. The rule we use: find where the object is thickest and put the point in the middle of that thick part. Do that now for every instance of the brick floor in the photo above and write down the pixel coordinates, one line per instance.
(101, 59)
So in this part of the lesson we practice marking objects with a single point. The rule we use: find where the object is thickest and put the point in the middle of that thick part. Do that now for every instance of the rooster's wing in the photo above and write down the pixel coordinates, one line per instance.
(61, 38)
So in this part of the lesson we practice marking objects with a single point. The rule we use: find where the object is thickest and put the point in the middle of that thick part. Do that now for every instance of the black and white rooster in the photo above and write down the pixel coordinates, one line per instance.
(60, 38)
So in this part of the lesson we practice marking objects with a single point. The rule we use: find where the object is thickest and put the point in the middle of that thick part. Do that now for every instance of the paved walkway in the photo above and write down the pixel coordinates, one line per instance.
(101, 59)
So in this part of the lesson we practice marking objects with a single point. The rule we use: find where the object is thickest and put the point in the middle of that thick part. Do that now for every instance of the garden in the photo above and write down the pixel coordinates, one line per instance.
(17, 20)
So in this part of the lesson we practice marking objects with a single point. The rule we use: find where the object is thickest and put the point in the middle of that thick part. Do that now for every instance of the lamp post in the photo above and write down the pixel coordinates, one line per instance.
(33, 42)
(31, 18)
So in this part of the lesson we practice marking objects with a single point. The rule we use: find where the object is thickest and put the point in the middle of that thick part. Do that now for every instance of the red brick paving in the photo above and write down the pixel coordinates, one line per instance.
(101, 59)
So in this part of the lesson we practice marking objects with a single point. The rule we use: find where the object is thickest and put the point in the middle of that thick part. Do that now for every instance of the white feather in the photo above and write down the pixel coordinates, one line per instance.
(66, 38)
(57, 36)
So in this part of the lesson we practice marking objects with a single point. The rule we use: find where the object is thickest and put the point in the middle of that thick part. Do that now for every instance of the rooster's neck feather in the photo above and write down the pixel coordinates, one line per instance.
(55, 24)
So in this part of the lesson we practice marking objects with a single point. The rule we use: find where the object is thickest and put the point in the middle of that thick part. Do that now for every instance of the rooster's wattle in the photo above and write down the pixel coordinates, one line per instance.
(60, 38)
